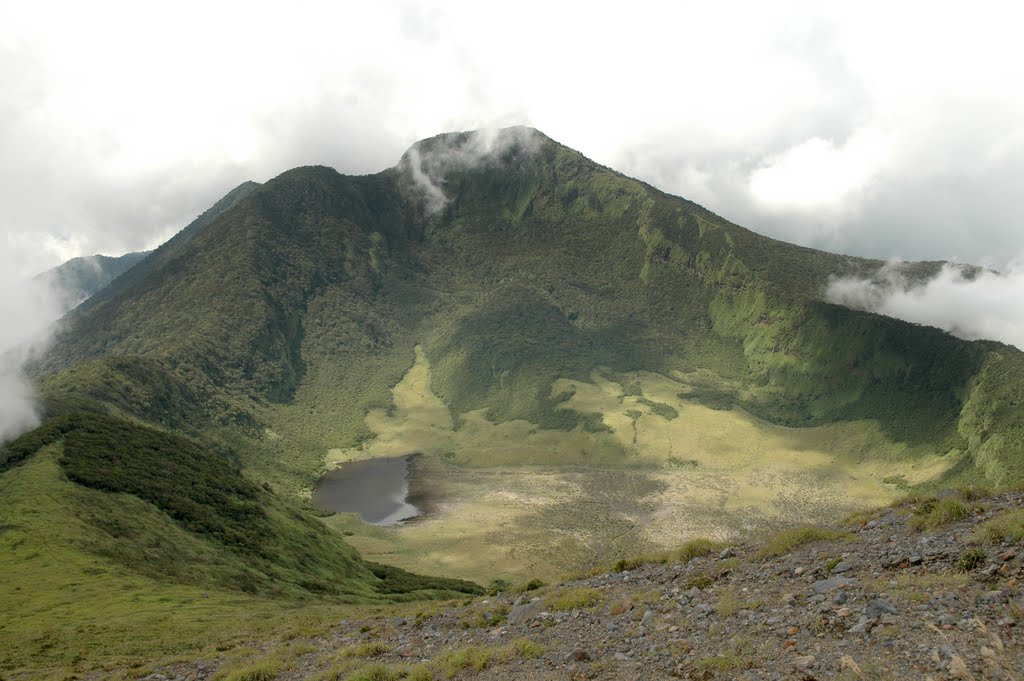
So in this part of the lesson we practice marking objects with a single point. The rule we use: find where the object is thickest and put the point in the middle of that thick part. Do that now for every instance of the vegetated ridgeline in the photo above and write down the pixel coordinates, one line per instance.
(79, 279)
(928, 589)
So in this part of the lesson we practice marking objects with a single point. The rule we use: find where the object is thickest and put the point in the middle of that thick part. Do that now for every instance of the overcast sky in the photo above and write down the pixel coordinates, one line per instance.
(888, 129)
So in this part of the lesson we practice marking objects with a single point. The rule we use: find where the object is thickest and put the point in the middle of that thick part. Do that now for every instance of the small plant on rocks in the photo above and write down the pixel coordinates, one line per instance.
(699, 581)
(531, 585)
(696, 548)
(787, 540)
(1005, 527)
(971, 559)
(933, 513)
(573, 599)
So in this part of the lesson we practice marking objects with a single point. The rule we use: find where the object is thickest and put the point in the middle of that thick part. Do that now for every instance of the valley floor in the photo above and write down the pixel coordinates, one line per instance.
(514, 501)
(929, 589)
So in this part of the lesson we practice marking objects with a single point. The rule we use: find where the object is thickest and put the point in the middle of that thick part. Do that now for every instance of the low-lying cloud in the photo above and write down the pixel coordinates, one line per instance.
(28, 308)
(428, 164)
(987, 305)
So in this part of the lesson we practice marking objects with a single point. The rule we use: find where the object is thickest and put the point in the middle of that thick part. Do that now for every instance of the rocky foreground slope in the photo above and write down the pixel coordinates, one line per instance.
(927, 589)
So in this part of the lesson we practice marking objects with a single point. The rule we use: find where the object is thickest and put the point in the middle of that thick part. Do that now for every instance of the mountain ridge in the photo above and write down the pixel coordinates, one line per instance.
(76, 280)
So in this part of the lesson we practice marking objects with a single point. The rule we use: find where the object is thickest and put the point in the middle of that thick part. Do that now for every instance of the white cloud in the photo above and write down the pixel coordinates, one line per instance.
(28, 309)
(817, 175)
(989, 305)
(871, 128)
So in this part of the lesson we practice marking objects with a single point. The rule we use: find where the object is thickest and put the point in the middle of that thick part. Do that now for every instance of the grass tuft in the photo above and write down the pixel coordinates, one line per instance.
(722, 663)
(699, 581)
(971, 559)
(787, 540)
(1008, 526)
(265, 669)
(573, 599)
(696, 548)
(530, 585)
(932, 513)
(365, 650)
(527, 649)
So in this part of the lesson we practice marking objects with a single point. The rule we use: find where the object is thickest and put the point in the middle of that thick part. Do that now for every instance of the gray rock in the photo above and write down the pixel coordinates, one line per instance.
(804, 662)
(645, 621)
(843, 566)
(878, 607)
(861, 627)
(823, 586)
(521, 614)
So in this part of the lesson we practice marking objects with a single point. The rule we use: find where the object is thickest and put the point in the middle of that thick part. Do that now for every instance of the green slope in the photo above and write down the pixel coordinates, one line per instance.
(95, 581)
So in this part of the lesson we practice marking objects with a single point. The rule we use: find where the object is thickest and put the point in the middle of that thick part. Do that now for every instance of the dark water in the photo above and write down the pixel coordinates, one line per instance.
(376, 489)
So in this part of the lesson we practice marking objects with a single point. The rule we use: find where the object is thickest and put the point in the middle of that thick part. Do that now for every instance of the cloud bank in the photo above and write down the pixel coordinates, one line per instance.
(988, 305)
(28, 309)
(852, 127)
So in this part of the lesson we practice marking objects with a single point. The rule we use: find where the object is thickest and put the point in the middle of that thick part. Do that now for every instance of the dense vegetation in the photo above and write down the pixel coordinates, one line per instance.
(265, 544)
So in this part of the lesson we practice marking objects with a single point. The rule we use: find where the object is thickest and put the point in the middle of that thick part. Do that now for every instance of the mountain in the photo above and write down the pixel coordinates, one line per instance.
(538, 265)
(590, 368)
(78, 278)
